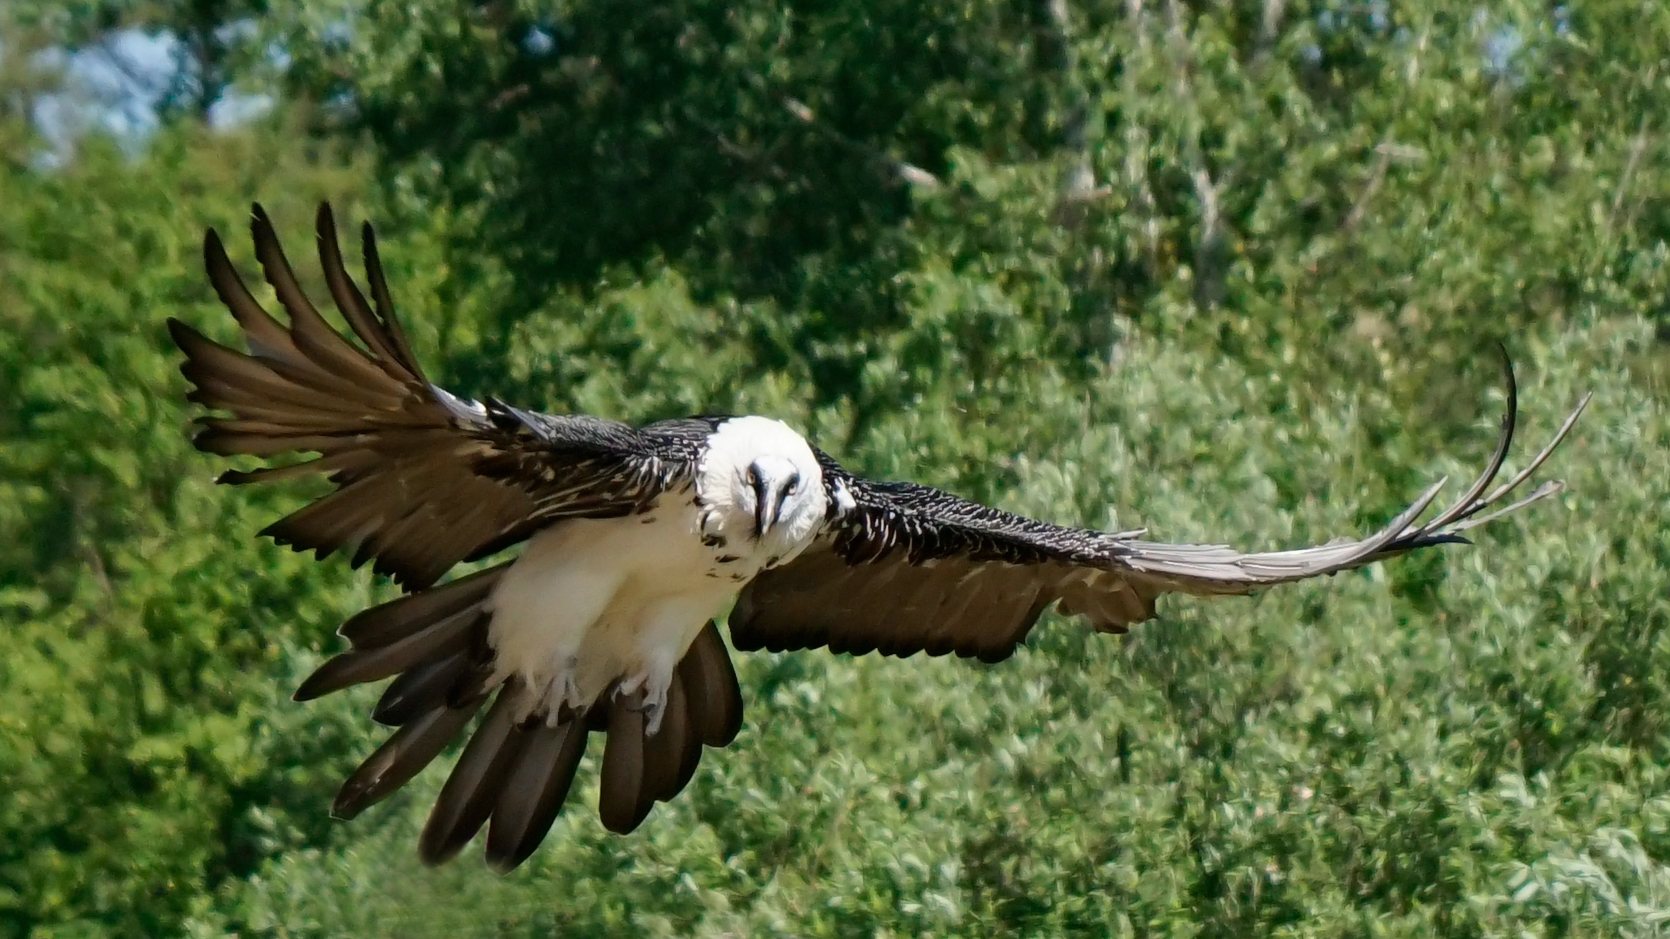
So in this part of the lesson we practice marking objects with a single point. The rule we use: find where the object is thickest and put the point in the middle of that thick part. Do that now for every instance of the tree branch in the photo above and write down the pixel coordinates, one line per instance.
(906, 173)
(1637, 146)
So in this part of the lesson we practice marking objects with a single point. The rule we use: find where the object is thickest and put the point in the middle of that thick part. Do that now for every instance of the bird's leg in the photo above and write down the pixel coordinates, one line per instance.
(667, 629)
(562, 692)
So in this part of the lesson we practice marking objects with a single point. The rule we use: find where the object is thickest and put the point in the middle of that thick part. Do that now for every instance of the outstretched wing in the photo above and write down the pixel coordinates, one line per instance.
(423, 479)
(903, 568)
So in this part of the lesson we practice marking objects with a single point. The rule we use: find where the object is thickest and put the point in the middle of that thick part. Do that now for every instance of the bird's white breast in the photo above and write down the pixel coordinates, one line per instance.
(593, 601)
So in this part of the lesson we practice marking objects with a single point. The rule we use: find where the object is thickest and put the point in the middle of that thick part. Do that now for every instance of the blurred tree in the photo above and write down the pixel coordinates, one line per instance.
(138, 666)
(202, 48)
(1293, 171)
(1227, 268)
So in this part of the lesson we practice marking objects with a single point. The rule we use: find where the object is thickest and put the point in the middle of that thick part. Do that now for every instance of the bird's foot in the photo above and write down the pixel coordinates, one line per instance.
(655, 683)
(562, 692)
(655, 708)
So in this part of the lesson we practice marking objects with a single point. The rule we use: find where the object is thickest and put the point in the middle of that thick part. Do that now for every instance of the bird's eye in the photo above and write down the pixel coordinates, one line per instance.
(753, 476)
(793, 486)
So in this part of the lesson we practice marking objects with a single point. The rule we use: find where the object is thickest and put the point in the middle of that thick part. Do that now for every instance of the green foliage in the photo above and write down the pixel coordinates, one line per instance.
(1231, 271)
(144, 660)
(1319, 188)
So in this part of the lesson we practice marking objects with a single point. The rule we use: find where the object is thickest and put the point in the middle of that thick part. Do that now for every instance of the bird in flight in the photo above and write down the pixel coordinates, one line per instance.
(635, 540)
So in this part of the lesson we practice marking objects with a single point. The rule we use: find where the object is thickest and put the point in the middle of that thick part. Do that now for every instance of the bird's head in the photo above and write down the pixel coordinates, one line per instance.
(765, 483)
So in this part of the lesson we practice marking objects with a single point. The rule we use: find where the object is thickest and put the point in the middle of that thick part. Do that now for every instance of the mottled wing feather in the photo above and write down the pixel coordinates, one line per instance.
(903, 568)
(424, 479)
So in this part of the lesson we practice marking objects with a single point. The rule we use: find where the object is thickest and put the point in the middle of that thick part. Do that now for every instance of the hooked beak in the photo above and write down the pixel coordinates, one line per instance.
(771, 490)
(768, 502)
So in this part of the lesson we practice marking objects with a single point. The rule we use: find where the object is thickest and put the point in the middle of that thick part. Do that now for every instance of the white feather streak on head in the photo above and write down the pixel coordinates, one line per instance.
(770, 448)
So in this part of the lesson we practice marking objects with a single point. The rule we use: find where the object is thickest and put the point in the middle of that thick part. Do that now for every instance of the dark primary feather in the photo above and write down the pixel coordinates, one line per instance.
(406, 696)
(423, 479)
(401, 756)
(912, 569)
(477, 780)
(711, 690)
(534, 789)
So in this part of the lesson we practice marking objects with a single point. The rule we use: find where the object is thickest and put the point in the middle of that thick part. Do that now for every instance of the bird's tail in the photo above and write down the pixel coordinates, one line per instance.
(514, 774)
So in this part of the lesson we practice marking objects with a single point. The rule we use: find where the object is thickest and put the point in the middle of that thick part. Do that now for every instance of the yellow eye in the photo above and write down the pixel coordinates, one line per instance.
(753, 477)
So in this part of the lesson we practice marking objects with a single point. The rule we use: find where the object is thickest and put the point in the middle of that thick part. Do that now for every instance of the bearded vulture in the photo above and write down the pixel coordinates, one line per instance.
(636, 539)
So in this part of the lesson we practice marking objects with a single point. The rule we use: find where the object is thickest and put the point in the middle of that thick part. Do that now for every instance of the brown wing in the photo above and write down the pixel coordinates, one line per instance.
(909, 569)
(423, 479)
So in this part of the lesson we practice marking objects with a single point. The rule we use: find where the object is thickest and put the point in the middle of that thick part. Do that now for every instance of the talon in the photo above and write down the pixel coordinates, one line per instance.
(654, 703)
(655, 707)
(562, 693)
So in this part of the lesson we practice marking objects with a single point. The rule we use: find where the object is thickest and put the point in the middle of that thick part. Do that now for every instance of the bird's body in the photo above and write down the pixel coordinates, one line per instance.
(634, 539)
(593, 603)
(599, 601)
